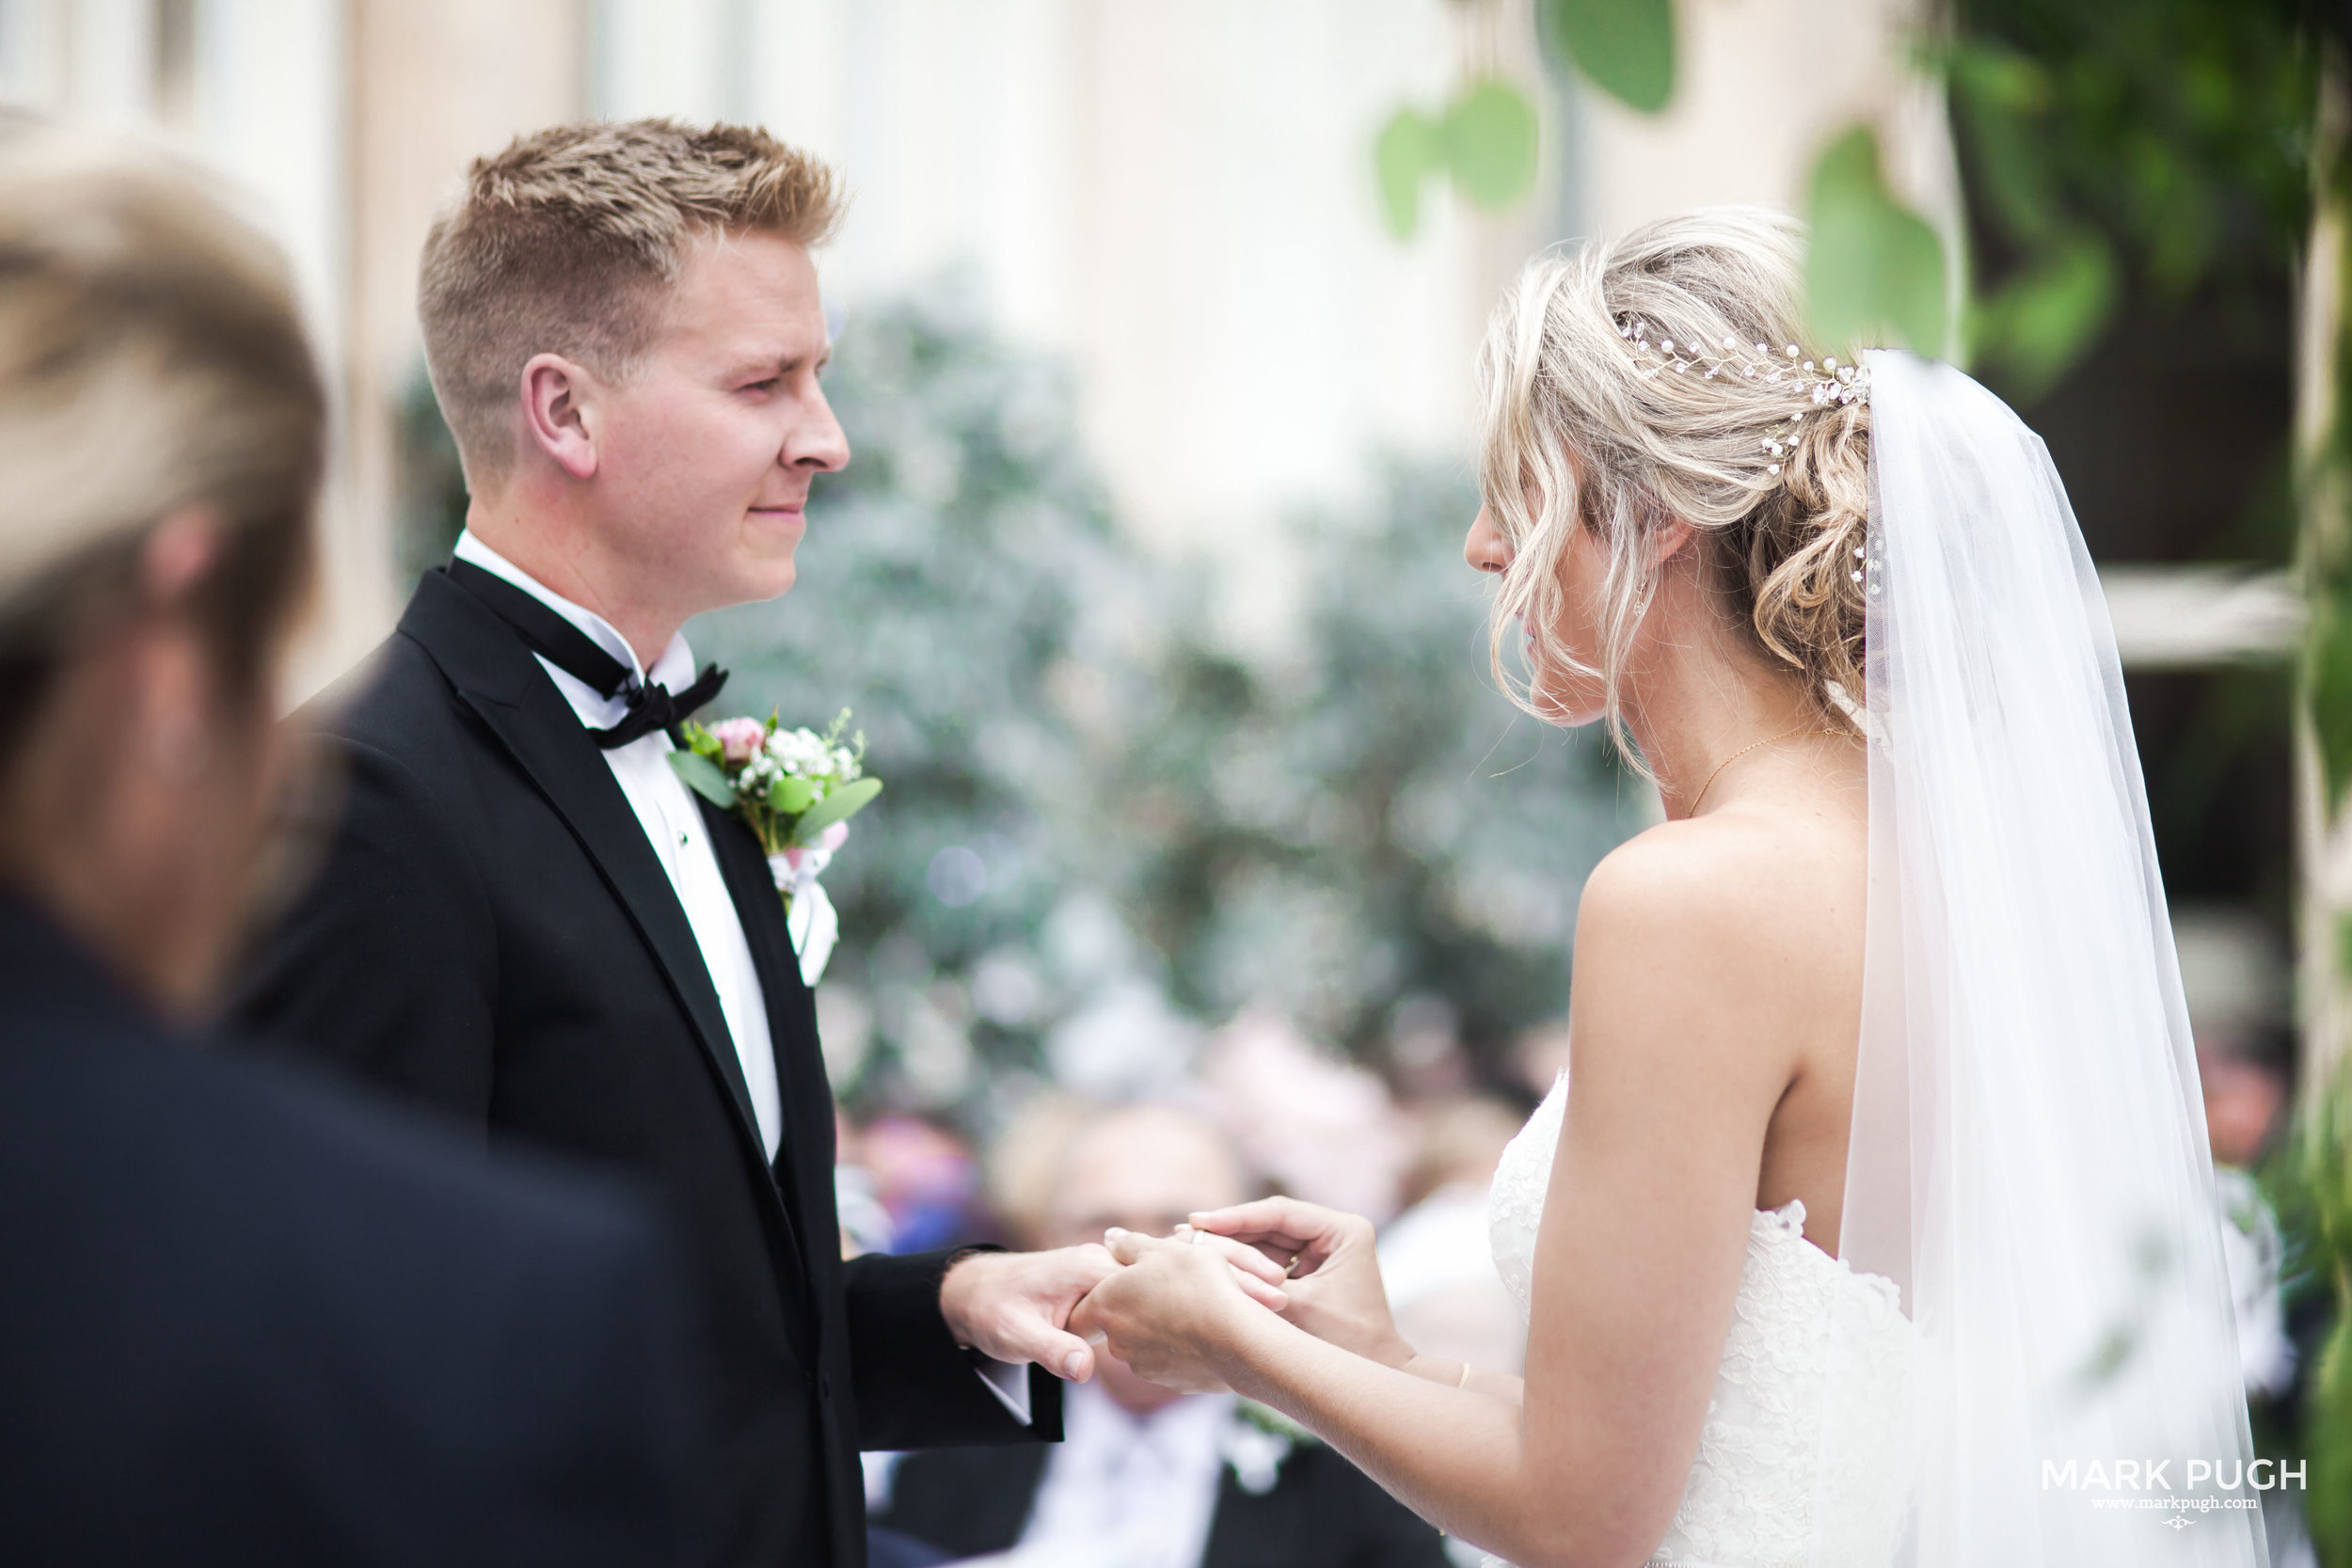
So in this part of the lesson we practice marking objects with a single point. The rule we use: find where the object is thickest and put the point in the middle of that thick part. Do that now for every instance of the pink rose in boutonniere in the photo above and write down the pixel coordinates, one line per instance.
(797, 790)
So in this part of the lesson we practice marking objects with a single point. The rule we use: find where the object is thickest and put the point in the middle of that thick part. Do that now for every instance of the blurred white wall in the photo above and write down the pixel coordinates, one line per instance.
(1177, 197)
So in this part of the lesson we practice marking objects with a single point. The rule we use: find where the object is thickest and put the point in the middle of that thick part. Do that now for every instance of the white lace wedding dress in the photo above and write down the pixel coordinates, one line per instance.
(1815, 1364)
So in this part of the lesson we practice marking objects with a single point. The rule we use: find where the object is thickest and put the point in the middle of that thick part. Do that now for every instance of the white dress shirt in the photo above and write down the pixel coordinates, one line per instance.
(666, 809)
(1127, 1491)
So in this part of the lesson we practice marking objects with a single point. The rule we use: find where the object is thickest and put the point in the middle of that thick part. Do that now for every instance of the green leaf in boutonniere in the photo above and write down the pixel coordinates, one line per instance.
(705, 777)
(790, 795)
(839, 806)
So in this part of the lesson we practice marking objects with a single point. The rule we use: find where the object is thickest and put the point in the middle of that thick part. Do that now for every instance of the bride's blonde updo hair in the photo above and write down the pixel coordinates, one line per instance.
(1653, 377)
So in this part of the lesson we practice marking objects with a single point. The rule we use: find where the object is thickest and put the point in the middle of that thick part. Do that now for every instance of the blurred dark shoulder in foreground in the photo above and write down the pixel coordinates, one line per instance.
(244, 1321)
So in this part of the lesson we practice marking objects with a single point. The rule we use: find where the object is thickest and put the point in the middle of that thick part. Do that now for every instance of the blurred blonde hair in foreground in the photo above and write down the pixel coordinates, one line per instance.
(151, 359)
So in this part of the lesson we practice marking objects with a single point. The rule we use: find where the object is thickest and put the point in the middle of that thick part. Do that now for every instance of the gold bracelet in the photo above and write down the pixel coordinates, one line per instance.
(1463, 1380)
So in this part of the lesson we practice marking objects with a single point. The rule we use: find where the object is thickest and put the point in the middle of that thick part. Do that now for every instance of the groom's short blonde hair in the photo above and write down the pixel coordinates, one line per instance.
(567, 242)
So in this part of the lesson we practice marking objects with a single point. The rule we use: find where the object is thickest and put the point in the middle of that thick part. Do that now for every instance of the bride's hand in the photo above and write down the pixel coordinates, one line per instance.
(1334, 1287)
(1176, 1304)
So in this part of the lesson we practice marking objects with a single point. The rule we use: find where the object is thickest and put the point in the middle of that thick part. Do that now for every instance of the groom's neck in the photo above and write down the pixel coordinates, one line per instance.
(564, 552)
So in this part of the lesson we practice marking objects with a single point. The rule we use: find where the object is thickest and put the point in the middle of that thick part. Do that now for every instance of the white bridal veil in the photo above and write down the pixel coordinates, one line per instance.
(2028, 1160)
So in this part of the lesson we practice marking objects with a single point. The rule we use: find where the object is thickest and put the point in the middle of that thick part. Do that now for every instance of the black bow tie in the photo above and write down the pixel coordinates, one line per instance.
(573, 651)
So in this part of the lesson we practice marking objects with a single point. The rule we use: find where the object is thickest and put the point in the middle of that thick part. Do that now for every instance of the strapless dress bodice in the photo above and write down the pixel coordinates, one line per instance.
(1815, 1363)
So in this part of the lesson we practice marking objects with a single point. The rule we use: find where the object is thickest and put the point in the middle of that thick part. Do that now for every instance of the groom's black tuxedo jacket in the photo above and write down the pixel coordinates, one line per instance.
(492, 934)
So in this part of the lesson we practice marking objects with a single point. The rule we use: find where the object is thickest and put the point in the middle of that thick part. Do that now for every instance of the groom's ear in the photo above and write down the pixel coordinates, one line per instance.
(558, 416)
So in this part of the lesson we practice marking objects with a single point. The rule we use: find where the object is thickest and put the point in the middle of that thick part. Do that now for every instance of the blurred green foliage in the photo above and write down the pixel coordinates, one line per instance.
(2161, 147)
(2327, 538)
(2162, 144)
(1371, 824)
(1880, 279)
(1874, 271)
(1626, 47)
(2310, 1184)
(1484, 140)
(2320, 1165)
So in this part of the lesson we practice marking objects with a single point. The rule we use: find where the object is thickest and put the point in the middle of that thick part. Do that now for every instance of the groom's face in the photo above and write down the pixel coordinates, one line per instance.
(708, 451)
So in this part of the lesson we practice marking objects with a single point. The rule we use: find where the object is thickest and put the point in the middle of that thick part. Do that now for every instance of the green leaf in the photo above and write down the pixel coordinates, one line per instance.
(2008, 163)
(1627, 47)
(790, 795)
(1489, 134)
(1410, 148)
(1875, 270)
(2041, 323)
(1995, 76)
(705, 777)
(839, 806)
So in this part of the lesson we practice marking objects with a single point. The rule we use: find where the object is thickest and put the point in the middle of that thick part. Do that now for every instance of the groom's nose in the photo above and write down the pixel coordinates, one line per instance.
(816, 443)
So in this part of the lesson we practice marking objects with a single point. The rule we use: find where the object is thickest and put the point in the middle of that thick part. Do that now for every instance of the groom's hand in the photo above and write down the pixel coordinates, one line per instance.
(1015, 1306)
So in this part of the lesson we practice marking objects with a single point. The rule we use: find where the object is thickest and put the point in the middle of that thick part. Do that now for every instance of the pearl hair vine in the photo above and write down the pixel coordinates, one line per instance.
(1824, 384)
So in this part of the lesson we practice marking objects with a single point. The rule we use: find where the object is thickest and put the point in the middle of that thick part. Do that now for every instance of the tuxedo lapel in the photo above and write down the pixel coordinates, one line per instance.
(495, 674)
(800, 1065)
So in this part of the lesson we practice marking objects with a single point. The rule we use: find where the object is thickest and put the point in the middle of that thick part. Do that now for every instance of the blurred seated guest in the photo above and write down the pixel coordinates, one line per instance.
(242, 1320)
(2235, 982)
(2245, 1083)
(2245, 1090)
(865, 1222)
(1146, 1478)
(924, 1175)
(1435, 1257)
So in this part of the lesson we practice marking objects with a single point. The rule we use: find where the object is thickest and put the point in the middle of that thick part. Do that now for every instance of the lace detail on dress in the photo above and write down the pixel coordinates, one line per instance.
(1515, 1203)
(1815, 1362)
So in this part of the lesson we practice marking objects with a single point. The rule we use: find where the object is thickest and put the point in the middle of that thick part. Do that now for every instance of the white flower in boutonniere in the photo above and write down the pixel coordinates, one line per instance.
(1255, 1441)
(797, 790)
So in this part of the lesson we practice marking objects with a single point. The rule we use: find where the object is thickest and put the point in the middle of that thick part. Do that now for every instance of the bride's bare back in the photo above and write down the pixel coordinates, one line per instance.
(1785, 863)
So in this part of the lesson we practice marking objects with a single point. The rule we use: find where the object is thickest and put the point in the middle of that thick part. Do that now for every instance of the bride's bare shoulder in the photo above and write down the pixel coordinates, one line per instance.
(1728, 896)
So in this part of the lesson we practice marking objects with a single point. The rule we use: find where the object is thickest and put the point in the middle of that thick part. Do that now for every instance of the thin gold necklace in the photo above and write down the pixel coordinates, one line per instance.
(1735, 756)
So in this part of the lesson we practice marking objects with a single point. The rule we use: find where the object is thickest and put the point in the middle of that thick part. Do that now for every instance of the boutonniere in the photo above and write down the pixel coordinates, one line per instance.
(796, 790)
(1255, 1441)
